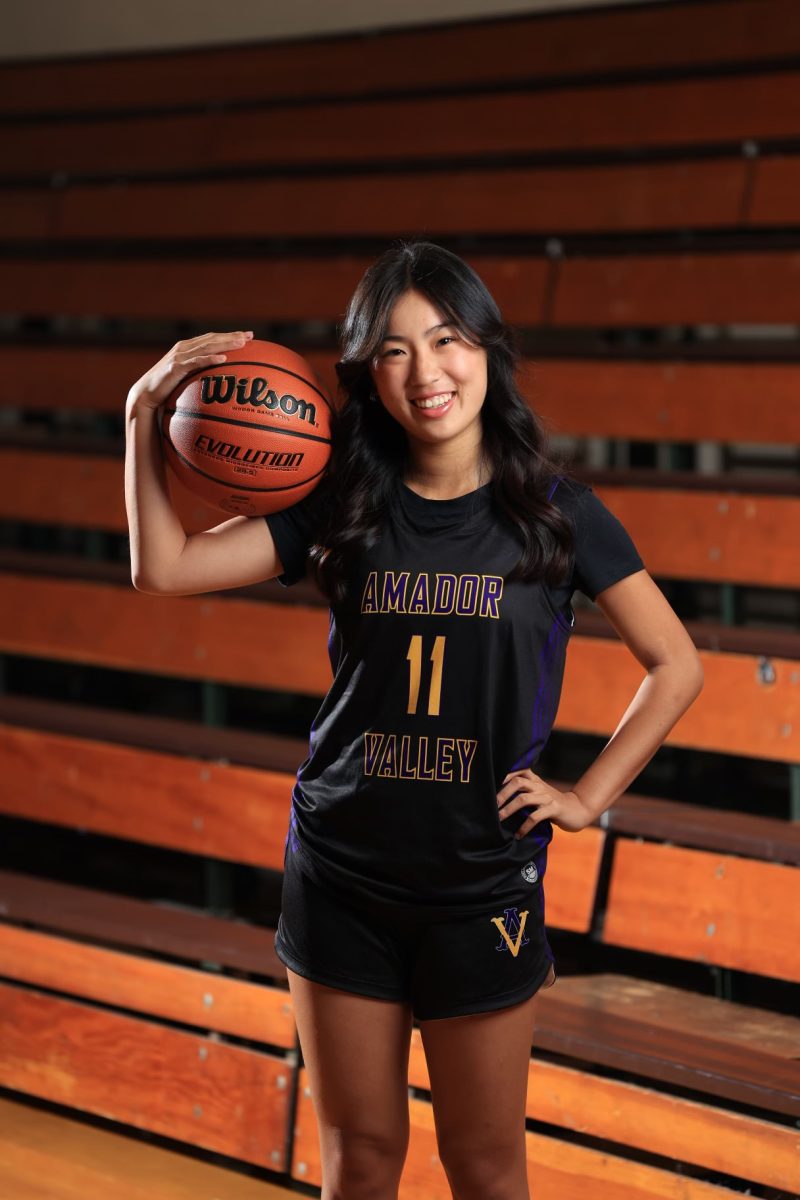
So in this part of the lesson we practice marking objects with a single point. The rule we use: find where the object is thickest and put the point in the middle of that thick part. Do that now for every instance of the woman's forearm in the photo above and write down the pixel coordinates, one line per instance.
(156, 535)
(665, 694)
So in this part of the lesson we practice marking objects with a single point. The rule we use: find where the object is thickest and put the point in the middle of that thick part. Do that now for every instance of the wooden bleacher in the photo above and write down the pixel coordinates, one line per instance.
(621, 179)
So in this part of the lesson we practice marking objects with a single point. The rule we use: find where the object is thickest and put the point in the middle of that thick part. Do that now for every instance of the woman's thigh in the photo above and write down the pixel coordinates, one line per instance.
(478, 1066)
(356, 1050)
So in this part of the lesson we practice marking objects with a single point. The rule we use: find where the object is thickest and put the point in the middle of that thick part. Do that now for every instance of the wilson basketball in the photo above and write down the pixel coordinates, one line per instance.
(250, 435)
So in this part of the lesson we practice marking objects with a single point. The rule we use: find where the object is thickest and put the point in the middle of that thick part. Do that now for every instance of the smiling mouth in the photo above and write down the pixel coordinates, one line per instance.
(434, 401)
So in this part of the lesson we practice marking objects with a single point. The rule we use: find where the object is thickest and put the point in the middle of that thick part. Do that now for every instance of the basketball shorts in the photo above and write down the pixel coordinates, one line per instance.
(446, 967)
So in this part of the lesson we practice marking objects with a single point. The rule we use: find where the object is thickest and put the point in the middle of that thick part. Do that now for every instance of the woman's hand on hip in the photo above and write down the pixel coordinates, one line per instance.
(526, 789)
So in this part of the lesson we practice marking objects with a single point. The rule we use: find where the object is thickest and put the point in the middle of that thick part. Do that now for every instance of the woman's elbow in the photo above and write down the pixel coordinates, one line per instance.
(686, 674)
(696, 676)
(142, 584)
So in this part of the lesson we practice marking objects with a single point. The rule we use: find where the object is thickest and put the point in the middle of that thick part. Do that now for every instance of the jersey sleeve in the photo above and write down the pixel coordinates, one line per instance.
(294, 532)
(604, 550)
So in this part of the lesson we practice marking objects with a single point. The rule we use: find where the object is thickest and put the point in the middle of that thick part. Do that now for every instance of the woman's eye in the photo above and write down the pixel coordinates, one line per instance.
(396, 350)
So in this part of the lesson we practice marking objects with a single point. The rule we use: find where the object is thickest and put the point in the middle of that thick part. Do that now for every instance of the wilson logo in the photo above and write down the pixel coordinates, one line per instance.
(256, 392)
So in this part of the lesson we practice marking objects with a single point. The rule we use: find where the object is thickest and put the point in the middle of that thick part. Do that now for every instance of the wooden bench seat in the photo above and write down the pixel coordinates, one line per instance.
(602, 1019)
(710, 1046)
(696, 1050)
(148, 927)
(156, 1059)
(705, 828)
(646, 1034)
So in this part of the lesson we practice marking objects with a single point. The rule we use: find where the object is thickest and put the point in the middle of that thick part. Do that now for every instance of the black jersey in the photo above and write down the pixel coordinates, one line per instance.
(445, 678)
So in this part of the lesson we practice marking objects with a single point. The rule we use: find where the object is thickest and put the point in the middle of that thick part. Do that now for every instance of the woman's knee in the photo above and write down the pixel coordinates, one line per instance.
(496, 1171)
(359, 1163)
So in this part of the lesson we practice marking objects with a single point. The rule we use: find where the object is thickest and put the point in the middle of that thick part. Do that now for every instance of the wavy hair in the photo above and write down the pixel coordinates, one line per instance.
(370, 451)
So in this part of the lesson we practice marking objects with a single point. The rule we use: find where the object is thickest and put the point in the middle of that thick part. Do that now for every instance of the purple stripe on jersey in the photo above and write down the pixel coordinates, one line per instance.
(549, 656)
(540, 836)
(554, 485)
(331, 634)
(549, 659)
(331, 630)
(292, 831)
(543, 716)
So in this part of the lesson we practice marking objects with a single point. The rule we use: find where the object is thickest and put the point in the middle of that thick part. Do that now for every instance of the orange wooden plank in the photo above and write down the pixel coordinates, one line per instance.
(466, 53)
(117, 627)
(558, 1168)
(283, 289)
(722, 535)
(643, 290)
(631, 1115)
(658, 401)
(511, 200)
(218, 810)
(573, 869)
(731, 1048)
(776, 183)
(734, 714)
(144, 985)
(683, 289)
(718, 535)
(223, 1097)
(630, 116)
(667, 401)
(677, 1128)
(733, 912)
(33, 214)
(89, 491)
(231, 641)
(229, 812)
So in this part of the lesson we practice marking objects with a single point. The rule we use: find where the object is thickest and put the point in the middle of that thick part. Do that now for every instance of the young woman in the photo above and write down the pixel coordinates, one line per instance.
(449, 542)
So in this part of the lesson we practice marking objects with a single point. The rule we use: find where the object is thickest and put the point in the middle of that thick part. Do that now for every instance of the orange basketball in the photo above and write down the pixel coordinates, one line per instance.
(251, 435)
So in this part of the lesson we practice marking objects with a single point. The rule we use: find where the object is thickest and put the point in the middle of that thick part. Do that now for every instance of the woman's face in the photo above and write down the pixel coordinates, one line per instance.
(424, 359)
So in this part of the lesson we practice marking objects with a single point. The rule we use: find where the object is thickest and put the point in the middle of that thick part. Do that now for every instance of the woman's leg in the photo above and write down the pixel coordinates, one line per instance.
(356, 1052)
(478, 1067)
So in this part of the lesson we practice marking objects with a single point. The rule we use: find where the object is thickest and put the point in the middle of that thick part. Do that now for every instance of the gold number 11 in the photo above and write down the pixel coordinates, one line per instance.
(414, 657)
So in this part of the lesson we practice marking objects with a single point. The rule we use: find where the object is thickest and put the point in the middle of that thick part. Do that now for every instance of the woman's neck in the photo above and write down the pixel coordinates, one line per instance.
(443, 483)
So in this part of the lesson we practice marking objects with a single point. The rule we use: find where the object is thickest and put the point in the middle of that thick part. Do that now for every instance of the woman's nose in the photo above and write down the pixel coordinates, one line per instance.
(423, 370)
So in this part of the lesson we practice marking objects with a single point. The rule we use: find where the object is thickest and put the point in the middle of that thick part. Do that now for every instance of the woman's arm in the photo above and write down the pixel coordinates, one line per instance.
(164, 561)
(649, 626)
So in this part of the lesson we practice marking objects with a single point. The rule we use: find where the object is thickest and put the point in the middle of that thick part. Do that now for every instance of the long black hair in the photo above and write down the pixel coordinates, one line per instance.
(370, 451)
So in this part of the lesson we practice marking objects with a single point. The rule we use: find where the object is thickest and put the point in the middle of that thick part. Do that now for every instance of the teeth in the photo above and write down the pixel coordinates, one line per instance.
(435, 401)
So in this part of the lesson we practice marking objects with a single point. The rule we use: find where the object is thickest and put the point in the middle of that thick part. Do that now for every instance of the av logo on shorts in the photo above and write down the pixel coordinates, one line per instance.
(512, 928)
(529, 872)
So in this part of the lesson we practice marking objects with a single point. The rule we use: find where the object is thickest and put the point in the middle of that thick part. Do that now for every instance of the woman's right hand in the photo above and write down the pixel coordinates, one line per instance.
(153, 388)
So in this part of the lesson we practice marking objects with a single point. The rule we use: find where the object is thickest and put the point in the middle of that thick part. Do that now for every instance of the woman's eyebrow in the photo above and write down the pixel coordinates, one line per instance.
(396, 337)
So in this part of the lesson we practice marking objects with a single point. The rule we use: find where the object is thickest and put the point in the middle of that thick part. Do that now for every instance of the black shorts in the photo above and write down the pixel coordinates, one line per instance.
(446, 967)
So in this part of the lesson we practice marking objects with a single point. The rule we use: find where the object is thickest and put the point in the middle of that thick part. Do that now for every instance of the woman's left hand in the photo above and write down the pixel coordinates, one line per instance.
(529, 790)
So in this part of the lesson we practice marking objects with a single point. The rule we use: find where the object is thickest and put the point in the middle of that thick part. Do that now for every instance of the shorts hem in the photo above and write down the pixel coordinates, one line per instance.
(358, 987)
(489, 1003)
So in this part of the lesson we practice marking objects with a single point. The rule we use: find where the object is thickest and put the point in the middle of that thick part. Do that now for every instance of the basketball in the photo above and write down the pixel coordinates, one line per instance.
(250, 436)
